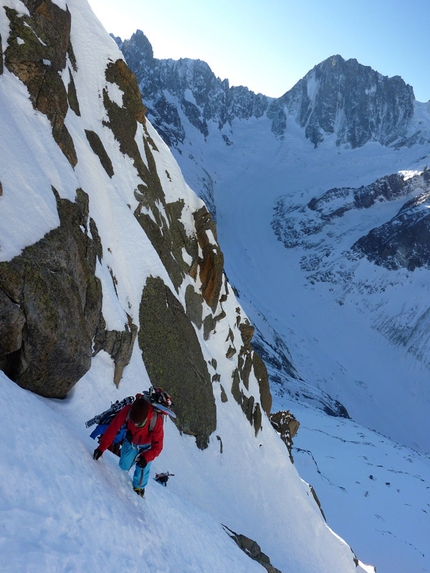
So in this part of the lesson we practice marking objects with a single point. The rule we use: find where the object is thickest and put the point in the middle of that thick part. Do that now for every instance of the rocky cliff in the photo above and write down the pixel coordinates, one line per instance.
(352, 102)
(53, 292)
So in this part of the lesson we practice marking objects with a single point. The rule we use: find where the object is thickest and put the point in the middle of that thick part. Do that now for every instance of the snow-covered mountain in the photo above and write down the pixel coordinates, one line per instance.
(112, 279)
(320, 199)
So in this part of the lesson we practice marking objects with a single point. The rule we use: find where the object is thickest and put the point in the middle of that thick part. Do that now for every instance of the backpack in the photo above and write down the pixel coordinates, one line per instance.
(159, 400)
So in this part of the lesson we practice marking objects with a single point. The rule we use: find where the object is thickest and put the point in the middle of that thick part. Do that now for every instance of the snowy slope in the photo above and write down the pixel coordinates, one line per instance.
(60, 510)
(362, 477)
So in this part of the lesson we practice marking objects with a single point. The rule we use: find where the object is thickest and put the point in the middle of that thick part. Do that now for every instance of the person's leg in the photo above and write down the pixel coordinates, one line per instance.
(141, 476)
(128, 455)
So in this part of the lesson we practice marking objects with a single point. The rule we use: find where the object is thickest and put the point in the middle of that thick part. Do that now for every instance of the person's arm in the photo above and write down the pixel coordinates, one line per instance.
(112, 430)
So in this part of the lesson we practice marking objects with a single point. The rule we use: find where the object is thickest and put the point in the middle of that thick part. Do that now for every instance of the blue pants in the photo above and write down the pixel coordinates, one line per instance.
(126, 461)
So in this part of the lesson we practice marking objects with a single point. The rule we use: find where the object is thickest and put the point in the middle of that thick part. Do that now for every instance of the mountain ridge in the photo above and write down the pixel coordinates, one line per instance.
(337, 96)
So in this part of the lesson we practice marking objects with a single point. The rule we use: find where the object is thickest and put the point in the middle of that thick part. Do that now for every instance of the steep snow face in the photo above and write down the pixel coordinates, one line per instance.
(362, 475)
(87, 516)
(61, 510)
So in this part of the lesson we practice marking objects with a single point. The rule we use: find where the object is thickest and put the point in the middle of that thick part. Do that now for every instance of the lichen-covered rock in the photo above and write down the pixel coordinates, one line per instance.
(194, 306)
(118, 344)
(12, 321)
(212, 263)
(54, 284)
(262, 376)
(174, 360)
(98, 148)
(38, 47)
(248, 361)
(122, 120)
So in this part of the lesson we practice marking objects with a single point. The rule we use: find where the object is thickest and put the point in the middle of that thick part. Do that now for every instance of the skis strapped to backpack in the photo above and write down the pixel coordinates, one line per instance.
(108, 415)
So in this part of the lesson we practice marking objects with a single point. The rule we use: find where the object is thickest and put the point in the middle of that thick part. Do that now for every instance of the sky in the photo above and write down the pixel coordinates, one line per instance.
(269, 45)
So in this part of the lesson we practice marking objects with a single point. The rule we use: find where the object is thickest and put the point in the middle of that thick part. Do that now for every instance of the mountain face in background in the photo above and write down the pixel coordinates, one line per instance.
(321, 203)
(344, 98)
(353, 102)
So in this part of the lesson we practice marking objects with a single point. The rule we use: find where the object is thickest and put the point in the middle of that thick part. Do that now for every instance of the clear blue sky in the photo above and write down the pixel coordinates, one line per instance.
(268, 45)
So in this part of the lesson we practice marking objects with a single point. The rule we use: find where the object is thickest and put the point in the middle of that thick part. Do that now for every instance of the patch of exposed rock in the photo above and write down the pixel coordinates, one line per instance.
(287, 427)
(252, 549)
(52, 299)
(212, 262)
(249, 362)
(51, 308)
(39, 48)
(174, 360)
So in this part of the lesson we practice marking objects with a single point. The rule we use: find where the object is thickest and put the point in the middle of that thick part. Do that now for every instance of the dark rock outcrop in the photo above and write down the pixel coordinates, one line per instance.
(212, 263)
(38, 49)
(52, 302)
(287, 426)
(248, 361)
(402, 242)
(174, 360)
(252, 549)
(118, 344)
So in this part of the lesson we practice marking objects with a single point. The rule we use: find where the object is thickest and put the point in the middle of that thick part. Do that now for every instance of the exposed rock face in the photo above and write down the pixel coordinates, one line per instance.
(52, 301)
(174, 360)
(38, 49)
(118, 344)
(287, 426)
(249, 361)
(212, 263)
(404, 241)
(252, 549)
(351, 100)
(12, 321)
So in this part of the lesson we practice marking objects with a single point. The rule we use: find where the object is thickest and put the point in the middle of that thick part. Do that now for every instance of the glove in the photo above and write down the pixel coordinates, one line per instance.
(141, 462)
(97, 454)
(129, 436)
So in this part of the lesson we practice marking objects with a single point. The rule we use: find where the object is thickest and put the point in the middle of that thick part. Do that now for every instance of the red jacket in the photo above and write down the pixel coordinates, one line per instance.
(140, 436)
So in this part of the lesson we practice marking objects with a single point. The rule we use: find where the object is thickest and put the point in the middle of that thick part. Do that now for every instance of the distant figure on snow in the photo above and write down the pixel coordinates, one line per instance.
(143, 440)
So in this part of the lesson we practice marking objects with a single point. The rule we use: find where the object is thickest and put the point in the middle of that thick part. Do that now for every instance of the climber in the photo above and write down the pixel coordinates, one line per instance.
(143, 440)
